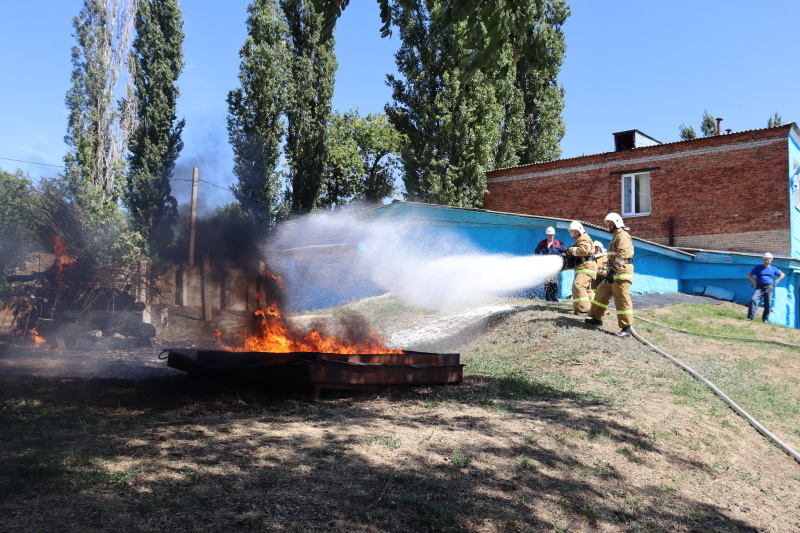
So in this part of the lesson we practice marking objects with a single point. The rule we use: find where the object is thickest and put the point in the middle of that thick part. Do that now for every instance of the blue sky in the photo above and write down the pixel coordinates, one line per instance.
(650, 66)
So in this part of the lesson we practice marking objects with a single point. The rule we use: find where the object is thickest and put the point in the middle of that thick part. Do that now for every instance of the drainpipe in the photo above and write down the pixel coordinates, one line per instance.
(671, 229)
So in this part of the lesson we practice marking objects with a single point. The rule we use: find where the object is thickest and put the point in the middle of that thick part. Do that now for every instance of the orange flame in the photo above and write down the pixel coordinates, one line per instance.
(273, 335)
(37, 340)
(62, 259)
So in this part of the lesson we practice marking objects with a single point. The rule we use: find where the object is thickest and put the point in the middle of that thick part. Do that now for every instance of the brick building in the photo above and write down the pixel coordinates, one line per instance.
(736, 192)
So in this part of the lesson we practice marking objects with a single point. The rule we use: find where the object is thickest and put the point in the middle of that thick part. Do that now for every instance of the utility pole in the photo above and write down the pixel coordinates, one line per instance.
(195, 176)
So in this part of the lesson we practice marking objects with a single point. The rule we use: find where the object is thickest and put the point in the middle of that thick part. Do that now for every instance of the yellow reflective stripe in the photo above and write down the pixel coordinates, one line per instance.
(598, 304)
(585, 271)
(624, 311)
(624, 276)
(581, 299)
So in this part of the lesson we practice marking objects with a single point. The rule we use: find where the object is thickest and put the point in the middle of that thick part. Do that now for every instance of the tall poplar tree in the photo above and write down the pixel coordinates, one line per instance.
(255, 112)
(537, 83)
(156, 61)
(310, 90)
(99, 125)
(449, 121)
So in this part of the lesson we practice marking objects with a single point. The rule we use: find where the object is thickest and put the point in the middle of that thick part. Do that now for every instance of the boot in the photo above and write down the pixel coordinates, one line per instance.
(624, 332)
(593, 321)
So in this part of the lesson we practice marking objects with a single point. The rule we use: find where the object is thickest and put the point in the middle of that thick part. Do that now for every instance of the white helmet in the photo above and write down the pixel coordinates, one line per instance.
(616, 219)
(598, 244)
(767, 255)
(576, 226)
(550, 231)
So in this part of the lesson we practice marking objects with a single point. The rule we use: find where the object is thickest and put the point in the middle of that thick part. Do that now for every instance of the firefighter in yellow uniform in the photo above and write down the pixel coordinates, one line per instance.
(585, 268)
(601, 258)
(618, 279)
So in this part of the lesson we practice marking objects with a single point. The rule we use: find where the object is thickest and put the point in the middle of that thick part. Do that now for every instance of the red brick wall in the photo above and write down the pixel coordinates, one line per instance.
(727, 185)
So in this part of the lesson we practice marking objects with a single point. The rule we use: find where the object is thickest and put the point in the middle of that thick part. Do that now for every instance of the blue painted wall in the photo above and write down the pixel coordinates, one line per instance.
(658, 269)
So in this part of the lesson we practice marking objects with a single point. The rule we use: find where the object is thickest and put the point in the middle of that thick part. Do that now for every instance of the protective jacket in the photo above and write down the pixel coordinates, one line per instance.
(542, 249)
(620, 254)
(584, 248)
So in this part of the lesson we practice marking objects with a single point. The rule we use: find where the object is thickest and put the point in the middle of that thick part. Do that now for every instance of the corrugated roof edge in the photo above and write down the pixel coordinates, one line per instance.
(643, 147)
(521, 215)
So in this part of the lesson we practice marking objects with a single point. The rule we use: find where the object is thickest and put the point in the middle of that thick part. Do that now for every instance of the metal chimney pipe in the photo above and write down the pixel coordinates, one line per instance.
(719, 128)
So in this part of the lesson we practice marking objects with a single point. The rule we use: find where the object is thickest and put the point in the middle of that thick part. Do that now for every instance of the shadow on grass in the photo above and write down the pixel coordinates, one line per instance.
(178, 454)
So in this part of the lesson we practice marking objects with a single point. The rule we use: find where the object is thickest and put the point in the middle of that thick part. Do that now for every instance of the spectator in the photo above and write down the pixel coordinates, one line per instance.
(763, 279)
(550, 245)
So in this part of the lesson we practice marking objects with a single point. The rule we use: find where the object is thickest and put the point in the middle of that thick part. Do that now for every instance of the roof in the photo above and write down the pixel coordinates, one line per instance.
(545, 221)
(716, 139)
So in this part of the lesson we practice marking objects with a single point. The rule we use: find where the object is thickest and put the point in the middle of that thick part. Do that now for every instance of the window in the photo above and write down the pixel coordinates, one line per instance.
(636, 194)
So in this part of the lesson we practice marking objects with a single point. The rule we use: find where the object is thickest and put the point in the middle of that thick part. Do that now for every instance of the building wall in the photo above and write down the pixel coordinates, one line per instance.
(726, 185)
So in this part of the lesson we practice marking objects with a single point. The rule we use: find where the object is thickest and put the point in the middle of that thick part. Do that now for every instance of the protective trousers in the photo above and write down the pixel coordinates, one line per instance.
(582, 292)
(621, 291)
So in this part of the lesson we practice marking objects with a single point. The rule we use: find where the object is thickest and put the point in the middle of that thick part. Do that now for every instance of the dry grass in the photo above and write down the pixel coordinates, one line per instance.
(556, 427)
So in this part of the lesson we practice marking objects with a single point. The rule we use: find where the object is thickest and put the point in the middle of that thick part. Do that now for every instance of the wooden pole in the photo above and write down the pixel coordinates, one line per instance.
(195, 173)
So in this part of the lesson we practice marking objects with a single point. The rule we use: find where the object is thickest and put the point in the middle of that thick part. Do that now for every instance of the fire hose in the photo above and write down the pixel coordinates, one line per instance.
(741, 412)
(752, 421)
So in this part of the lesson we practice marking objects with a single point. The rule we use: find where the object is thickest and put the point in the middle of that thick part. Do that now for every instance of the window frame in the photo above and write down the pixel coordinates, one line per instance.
(632, 176)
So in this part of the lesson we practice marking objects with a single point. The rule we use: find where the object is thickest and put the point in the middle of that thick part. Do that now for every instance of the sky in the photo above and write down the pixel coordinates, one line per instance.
(651, 66)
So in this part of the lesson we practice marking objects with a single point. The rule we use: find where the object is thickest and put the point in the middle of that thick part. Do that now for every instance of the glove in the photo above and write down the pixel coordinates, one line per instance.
(610, 275)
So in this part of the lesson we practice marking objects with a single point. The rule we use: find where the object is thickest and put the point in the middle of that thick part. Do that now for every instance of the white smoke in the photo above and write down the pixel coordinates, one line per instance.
(427, 266)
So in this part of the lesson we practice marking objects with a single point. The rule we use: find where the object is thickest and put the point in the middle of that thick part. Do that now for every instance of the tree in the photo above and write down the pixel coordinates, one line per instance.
(157, 61)
(449, 124)
(775, 121)
(362, 159)
(489, 28)
(16, 236)
(709, 125)
(532, 126)
(310, 89)
(99, 126)
(687, 133)
(255, 112)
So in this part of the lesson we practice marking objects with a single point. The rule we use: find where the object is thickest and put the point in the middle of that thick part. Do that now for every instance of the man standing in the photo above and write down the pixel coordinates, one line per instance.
(585, 269)
(763, 279)
(618, 280)
(550, 245)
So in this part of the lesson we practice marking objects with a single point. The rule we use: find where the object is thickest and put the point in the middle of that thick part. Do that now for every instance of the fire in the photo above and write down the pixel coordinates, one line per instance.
(63, 259)
(274, 335)
(34, 335)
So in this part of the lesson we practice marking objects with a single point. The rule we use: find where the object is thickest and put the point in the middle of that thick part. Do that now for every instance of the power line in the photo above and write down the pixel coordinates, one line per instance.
(30, 162)
(60, 166)
(204, 181)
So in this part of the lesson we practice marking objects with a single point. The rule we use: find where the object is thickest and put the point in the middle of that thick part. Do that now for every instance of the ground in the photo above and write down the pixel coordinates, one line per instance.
(561, 428)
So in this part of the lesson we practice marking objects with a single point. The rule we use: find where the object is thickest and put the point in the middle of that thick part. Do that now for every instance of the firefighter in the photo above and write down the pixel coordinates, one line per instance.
(619, 277)
(585, 268)
(601, 258)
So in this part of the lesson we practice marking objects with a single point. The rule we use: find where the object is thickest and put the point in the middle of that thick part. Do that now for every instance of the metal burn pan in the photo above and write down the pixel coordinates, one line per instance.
(319, 370)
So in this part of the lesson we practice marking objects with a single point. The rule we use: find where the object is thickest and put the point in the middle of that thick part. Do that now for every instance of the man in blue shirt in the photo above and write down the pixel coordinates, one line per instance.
(763, 278)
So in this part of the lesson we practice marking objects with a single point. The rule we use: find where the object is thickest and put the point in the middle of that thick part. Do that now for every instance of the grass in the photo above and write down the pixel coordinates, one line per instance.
(556, 427)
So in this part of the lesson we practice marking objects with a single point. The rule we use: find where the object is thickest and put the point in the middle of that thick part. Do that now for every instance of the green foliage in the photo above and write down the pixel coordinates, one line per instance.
(775, 121)
(536, 83)
(310, 89)
(491, 29)
(98, 126)
(449, 125)
(16, 237)
(687, 133)
(255, 110)
(157, 61)
(362, 159)
(708, 126)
